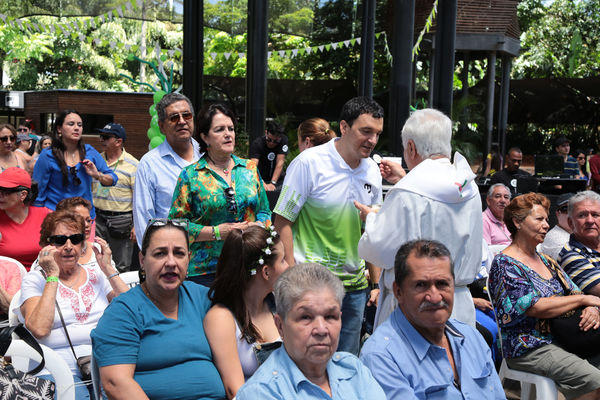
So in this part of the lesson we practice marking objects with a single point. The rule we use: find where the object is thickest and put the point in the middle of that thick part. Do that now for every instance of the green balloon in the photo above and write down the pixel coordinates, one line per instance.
(159, 94)
(154, 122)
(152, 110)
(153, 132)
(156, 141)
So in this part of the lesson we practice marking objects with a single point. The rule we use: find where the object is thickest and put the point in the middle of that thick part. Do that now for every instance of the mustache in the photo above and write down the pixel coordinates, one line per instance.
(426, 305)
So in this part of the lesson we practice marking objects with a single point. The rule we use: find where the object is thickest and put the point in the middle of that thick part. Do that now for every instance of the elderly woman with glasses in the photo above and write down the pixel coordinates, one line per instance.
(19, 221)
(8, 157)
(308, 300)
(67, 168)
(150, 342)
(219, 193)
(64, 297)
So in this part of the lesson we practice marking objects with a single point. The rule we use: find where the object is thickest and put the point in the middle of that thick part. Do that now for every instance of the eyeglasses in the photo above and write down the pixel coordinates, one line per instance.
(59, 240)
(5, 139)
(563, 210)
(581, 158)
(22, 130)
(174, 118)
(7, 191)
(230, 200)
(107, 137)
(180, 223)
(76, 180)
(269, 140)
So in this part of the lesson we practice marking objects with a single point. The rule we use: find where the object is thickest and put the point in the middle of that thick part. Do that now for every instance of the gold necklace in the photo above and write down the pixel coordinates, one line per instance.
(147, 293)
(74, 282)
(225, 169)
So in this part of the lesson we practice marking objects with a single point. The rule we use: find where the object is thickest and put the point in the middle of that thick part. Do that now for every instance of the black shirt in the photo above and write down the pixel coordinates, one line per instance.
(508, 178)
(266, 156)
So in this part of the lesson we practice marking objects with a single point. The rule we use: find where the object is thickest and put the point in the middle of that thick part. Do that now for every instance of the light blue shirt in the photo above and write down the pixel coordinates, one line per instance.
(155, 181)
(407, 366)
(280, 378)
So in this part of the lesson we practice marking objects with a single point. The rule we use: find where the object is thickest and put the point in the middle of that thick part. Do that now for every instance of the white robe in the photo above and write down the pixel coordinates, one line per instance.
(436, 200)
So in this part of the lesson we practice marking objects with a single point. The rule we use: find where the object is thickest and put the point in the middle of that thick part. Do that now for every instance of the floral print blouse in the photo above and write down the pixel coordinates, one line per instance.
(200, 197)
(515, 288)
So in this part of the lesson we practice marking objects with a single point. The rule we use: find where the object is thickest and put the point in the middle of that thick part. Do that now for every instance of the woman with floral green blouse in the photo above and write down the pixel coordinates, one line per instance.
(218, 193)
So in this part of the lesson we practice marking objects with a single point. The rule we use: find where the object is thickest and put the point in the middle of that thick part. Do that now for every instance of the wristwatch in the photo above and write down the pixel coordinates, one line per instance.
(273, 182)
(374, 286)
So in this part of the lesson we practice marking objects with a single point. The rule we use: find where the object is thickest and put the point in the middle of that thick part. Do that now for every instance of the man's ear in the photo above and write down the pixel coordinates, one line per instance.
(397, 292)
(571, 223)
(344, 127)
(279, 324)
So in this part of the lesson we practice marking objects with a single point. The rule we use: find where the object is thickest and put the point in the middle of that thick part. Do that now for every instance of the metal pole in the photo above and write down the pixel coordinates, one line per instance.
(256, 77)
(367, 49)
(401, 79)
(193, 50)
(503, 117)
(445, 36)
(490, 101)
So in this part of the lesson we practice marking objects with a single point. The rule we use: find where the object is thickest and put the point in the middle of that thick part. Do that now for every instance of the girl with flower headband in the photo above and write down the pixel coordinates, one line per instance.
(240, 326)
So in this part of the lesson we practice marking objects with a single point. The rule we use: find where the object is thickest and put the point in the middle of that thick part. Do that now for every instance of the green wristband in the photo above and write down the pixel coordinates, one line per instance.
(216, 233)
(52, 279)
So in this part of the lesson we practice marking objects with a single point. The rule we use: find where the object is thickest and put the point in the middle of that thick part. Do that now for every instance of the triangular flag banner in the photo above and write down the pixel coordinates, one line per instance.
(18, 21)
(129, 7)
(301, 51)
(268, 54)
(281, 53)
(127, 47)
(36, 27)
(321, 47)
(102, 18)
(242, 55)
(353, 41)
(213, 55)
(139, 3)
(170, 53)
(89, 39)
(113, 44)
(97, 41)
(358, 40)
(346, 43)
(81, 37)
(3, 16)
(288, 53)
(334, 45)
(93, 23)
(120, 11)
(377, 35)
(308, 50)
(227, 55)
(294, 52)
(135, 48)
(328, 46)
(110, 15)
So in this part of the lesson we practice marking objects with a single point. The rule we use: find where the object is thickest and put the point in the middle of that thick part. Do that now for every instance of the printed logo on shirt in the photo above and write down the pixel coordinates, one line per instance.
(284, 148)
(368, 188)
(271, 156)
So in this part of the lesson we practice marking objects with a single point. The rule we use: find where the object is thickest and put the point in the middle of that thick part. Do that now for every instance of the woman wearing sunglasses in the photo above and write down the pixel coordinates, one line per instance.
(62, 287)
(8, 140)
(219, 193)
(19, 221)
(150, 342)
(67, 168)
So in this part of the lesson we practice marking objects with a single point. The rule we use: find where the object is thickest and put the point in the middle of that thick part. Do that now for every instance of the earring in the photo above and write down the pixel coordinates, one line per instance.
(142, 275)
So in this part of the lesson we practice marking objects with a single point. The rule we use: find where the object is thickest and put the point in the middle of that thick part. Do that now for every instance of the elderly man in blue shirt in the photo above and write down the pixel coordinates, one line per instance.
(308, 298)
(418, 352)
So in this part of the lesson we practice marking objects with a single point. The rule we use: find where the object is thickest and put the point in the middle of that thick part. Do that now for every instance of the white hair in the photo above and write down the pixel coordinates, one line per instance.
(490, 191)
(431, 132)
(582, 196)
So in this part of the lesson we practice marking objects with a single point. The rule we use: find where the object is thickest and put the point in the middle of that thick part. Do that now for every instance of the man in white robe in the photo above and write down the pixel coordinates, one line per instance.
(436, 200)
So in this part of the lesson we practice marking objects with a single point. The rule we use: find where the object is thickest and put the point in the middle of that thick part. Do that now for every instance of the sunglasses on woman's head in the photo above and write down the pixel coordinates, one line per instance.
(5, 139)
(174, 118)
(76, 180)
(230, 200)
(180, 223)
(59, 240)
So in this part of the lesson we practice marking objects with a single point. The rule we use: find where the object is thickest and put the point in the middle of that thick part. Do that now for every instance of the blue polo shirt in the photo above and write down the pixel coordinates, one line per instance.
(407, 366)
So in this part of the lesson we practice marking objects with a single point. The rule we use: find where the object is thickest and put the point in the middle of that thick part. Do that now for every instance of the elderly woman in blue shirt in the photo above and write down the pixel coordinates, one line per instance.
(308, 300)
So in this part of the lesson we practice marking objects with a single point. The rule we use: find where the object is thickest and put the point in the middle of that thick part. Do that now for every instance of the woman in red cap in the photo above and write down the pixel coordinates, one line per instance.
(20, 222)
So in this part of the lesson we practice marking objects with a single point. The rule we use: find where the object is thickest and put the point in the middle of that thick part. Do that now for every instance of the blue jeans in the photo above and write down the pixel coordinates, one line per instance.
(353, 308)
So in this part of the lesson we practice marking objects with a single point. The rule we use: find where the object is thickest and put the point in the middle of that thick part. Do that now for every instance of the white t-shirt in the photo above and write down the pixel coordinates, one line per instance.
(81, 311)
(318, 195)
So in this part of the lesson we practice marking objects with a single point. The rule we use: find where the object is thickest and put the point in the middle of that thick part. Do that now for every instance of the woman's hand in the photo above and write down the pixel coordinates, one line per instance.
(103, 256)
(482, 304)
(590, 319)
(227, 227)
(90, 168)
(47, 260)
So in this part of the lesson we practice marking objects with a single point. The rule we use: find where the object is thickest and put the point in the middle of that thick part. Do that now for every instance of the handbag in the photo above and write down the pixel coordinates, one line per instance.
(565, 328)
(17, 385)
(84, 363)
(119, 226)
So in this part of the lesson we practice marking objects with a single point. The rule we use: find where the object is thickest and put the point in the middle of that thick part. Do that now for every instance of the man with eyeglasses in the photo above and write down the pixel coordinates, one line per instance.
(557, 237)
(159, 169)
(114, 204)
(316, 217)
(269, 154)
(580, 258)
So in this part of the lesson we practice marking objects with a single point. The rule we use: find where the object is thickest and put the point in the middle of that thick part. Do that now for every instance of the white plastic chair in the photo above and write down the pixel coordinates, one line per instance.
(545, 388)
(13, 320)
(21, 353)
(130, 278)
(18, 263)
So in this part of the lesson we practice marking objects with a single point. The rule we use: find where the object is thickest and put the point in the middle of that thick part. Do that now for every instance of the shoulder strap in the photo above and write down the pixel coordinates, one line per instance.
(62, 321)
(27, 337)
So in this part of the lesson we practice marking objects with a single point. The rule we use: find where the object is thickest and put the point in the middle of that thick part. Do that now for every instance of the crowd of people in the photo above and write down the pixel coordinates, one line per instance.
(237, 301)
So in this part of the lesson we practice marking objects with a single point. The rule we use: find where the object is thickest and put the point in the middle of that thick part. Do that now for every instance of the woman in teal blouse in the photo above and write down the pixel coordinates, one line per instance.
(218, 193)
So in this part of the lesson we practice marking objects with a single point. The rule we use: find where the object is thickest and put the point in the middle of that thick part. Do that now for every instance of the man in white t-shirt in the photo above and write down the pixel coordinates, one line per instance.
(316, 217)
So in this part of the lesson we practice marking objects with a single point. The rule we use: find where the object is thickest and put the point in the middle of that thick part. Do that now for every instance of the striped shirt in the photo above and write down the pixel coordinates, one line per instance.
(118, 197)
(581, 263)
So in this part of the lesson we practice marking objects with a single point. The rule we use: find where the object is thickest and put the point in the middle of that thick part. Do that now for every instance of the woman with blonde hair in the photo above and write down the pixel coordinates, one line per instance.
(313, 132)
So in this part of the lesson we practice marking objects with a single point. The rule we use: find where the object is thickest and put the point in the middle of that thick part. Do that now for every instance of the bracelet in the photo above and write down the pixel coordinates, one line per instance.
(113, 275)
(374, 285)
(52, 279)
(216, 233)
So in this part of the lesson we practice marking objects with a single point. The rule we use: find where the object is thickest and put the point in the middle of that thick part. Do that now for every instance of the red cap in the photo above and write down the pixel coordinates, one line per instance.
(14, 177)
